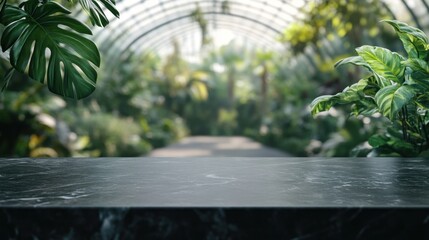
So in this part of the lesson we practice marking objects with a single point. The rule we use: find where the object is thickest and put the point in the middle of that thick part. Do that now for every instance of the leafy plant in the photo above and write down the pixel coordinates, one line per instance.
(330, 19)
(198, 16)
(29, 126)
(110, 135)
(396, 88)
(48, 44)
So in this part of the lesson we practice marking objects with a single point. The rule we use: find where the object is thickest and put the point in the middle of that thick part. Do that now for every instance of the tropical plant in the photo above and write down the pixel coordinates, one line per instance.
(110, 135)
(396, 88)
(198, 16)
(29, 123)
(353, 21)
(50, 46)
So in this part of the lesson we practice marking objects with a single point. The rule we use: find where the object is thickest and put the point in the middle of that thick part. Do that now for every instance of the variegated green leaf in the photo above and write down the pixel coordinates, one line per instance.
(352, 93)
(322, 103)
(366, 106)
(366, 90)
(422, 101)
(417, 74)
(383, 62)
(415, 41)
(417, 65)
(372, 86)
(349, 95)
(355, 60)
(30, 32)
(392, 98)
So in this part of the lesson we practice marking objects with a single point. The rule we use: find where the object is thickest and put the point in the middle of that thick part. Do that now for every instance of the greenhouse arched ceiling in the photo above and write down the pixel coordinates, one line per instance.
(152, 25)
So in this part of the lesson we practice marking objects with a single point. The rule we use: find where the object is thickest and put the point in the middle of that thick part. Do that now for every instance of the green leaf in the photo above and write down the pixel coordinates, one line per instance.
(351, 94)
(322, 103)
(405, 149)
(415, 41)
(378, 140)
(419, 81)
(371, 87)
(417, 65)
(11, 14)
(395, 131)
(417, 74)
(96, 14)
(47, 42)
(422, 101)
(2, 5)
(388, 144)
(383, 62)
(392, 98)
(6, 79)
(355, 60)
(366, 106)
(361, 94)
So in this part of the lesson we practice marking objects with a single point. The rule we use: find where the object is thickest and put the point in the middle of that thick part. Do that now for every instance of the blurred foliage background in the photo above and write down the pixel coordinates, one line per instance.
(149, 101)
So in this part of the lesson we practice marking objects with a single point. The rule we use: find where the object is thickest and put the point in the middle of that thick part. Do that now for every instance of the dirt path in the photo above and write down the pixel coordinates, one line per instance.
(204, 146)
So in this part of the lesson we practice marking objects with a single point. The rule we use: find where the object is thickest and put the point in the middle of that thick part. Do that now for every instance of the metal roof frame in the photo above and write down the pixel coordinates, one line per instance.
(181, 27)
(117, 35)
(149, 25)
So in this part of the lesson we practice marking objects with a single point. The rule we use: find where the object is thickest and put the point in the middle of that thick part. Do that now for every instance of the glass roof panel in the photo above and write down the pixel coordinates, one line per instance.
(152, 24)
(164, 8)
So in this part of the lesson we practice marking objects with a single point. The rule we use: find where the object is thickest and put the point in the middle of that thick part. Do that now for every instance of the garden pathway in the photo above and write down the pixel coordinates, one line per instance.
(205, 146)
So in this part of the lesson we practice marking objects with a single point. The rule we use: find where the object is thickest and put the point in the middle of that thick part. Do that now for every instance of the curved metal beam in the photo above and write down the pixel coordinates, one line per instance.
(246, 27)
(127, 45)
(241, 27)
(384, 4)
(123, 35)
(174, 9)
(426, 5)
(159, 43)
(162, 4)
(159, 40)
(413, 15)
(119, 33)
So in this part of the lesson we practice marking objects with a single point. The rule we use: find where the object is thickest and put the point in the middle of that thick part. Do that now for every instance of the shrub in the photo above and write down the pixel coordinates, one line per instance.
(112, 136)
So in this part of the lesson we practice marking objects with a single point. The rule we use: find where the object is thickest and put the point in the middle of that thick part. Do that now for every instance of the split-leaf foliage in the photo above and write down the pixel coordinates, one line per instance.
(396, 88)
(52, 47)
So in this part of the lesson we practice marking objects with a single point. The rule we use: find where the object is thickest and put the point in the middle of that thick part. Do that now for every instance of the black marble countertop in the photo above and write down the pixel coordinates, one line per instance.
(214, 182)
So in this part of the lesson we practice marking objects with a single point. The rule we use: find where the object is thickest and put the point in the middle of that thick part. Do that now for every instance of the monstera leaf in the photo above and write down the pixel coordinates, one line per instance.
(47, 43)
(95, 11)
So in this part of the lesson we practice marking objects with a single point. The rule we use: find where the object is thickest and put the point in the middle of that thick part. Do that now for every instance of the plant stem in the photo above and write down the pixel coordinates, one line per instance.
(404, 124)
(425, 133)
(420, 132)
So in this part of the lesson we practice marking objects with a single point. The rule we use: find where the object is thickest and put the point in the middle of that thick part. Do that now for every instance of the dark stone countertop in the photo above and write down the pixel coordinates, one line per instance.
(214, 182)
